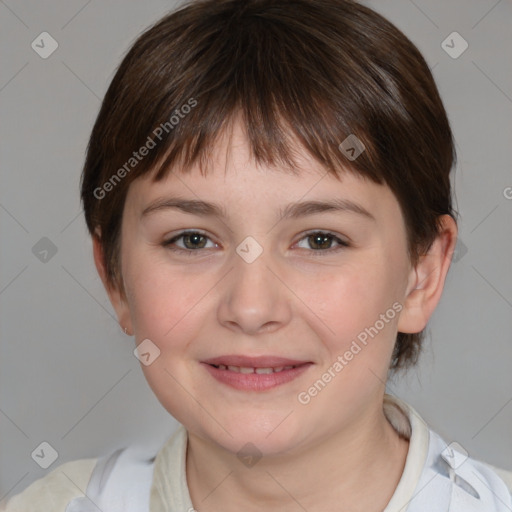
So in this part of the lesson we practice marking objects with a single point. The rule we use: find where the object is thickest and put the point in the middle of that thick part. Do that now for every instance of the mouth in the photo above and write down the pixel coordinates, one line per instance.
(255, 373)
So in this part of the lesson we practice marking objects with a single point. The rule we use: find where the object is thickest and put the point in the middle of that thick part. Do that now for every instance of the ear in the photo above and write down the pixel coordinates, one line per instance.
(427, 278)
(117, 297)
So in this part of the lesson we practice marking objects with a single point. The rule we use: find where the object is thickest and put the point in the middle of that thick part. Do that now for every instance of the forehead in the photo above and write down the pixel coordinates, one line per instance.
(233, 178)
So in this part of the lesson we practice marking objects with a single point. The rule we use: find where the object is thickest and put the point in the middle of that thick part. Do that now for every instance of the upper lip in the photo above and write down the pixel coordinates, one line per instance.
(254, 362)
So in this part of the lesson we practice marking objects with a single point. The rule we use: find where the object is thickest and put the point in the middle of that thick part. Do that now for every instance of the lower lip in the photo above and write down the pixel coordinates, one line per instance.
(256, 381)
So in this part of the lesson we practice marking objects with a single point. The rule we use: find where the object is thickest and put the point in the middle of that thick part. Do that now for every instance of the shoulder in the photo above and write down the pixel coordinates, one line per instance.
(475, 485)
(494, 485)
(442, 476)
(55, 490)
(504, 474)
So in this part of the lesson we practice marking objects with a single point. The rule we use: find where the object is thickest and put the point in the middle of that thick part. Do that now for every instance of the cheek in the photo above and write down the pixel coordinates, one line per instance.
(166, 308)
(356, 320)
(357, 325)
(162, 304)
(348, 298)
(158, 297)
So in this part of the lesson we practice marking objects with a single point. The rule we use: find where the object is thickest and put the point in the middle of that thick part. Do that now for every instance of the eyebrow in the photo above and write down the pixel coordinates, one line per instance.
(293, 210)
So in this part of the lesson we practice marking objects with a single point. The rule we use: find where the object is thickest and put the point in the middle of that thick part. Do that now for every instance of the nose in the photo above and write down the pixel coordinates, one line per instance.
(254, 298)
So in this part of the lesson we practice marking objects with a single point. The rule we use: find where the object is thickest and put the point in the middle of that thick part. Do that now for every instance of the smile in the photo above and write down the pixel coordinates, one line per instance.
(254, 374)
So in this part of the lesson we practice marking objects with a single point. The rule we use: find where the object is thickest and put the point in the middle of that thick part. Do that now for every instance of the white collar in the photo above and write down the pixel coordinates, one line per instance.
(409, 424)
(169, 490)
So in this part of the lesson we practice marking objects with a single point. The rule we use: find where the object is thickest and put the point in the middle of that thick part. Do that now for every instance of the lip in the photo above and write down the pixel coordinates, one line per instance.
(255, 381)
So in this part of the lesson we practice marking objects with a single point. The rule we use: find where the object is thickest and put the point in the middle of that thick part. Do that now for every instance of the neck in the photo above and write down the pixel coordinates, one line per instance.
(357, 468)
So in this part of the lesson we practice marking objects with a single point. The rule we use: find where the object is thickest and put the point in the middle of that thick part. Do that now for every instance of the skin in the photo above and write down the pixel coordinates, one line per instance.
(292, 301)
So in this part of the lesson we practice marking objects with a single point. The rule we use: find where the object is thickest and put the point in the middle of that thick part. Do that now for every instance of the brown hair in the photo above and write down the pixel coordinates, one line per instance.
(315, 71)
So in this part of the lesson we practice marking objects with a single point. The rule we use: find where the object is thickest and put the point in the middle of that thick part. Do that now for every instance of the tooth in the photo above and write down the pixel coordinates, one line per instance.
(264, 370)
(248, 370)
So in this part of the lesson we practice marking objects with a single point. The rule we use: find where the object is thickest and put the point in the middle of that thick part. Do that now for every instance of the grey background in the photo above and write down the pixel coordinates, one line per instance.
(68, 375)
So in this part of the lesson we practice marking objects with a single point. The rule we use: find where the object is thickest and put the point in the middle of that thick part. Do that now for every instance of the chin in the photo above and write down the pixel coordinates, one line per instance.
(262, 434)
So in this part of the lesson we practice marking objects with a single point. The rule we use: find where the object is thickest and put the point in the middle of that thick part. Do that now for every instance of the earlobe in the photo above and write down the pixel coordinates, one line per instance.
(428, 278)
(117, 299)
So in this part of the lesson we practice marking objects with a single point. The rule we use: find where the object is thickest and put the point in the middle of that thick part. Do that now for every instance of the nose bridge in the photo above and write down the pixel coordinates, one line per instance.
(253, 299)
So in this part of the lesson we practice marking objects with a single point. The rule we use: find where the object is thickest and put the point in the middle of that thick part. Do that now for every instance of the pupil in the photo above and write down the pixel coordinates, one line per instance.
(322, 240)
(194, 238)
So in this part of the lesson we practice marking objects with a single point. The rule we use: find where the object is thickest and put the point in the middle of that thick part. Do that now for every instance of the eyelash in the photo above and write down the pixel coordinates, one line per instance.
(168, 244)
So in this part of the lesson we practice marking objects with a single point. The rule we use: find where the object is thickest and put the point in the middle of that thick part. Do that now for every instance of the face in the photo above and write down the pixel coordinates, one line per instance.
(275, 322)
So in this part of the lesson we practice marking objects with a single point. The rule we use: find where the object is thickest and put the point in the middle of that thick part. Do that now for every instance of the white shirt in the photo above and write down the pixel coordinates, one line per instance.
(436, 478)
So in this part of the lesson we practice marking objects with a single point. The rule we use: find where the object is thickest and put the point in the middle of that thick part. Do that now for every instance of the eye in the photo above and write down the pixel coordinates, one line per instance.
(192, 241)
(318, 241)
(321, 242)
